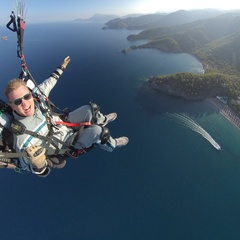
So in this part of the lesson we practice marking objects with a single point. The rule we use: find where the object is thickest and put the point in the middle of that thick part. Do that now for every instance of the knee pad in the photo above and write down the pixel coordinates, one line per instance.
(105, 135)
(95, 108)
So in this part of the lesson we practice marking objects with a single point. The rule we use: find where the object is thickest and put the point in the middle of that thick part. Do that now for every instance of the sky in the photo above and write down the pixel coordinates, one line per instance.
(64, 10)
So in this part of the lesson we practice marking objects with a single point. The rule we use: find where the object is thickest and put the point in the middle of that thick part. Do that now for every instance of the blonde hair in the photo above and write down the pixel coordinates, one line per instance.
(13, 85)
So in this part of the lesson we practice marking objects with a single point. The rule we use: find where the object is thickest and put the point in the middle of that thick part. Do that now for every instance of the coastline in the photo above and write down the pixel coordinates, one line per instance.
(225, 110)
(222, 108)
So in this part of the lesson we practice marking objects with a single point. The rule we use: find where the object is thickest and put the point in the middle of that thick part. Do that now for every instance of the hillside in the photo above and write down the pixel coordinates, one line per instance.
(197, 86)
(214, 41)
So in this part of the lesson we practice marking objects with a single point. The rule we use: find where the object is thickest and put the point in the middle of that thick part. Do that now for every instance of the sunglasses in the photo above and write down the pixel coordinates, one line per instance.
(18, 101)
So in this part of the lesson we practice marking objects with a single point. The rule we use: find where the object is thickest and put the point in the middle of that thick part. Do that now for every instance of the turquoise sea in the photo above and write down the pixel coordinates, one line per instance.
(168, 183)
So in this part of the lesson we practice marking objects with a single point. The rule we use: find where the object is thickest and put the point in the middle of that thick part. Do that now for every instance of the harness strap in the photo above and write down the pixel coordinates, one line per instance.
(18, 128)
(49, 135)
(12, 22)
(4, 156)
(68, 124)
(37, 135)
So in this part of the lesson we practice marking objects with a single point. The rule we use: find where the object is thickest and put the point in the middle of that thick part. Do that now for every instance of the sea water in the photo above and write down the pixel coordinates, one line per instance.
(167, 183)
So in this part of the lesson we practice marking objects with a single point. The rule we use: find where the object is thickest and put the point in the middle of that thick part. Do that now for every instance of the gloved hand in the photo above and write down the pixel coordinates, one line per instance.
(3, 165)
(36, 156)
(7, 165)
(65, 62)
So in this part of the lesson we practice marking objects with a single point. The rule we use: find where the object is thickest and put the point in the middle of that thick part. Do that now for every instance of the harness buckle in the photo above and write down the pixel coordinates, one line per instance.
(17, 127)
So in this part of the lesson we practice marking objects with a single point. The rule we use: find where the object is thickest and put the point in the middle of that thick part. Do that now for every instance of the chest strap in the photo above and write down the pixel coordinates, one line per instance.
(19, 128)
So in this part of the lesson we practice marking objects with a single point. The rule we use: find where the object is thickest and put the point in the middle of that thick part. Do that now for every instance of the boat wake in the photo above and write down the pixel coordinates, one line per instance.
(189, 123)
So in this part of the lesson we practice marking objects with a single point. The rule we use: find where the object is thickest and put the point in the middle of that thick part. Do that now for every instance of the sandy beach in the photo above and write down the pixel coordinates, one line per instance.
(225, 110)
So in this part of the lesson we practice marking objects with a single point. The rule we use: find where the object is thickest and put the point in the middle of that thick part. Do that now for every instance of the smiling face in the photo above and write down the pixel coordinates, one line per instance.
(26, 108)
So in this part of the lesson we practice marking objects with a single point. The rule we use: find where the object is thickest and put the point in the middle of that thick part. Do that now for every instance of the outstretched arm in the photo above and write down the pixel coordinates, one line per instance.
(49, 83)
(59, 71)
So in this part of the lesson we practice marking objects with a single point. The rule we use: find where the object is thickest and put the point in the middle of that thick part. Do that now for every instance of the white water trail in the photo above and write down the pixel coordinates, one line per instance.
(189, 123)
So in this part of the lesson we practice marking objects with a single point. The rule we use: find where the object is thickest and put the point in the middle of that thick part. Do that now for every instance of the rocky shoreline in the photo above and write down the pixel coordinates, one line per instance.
(225, 110)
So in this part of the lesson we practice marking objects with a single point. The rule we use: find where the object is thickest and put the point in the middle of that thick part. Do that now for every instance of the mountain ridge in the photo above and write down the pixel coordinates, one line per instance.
(215, 41)
(161, 19)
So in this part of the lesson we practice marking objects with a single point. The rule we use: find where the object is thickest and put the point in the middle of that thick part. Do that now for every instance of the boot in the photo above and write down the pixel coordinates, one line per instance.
(122, 141)
(109, 118)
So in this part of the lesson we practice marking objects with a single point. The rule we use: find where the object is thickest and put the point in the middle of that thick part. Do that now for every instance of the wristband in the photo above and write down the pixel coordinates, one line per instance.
(62, 67)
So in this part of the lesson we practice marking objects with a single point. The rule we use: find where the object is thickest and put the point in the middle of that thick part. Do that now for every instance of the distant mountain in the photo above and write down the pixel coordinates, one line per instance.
(133, 15)
(212, 36)
(134, 22)
(98, 17)
(161, 19)
(215, 41)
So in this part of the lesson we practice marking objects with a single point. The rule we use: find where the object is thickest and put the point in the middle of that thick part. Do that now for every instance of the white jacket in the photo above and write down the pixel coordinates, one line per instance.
(37, 123)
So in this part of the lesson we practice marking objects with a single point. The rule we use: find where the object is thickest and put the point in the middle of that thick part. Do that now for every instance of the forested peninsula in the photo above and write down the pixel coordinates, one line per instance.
(210, 35)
